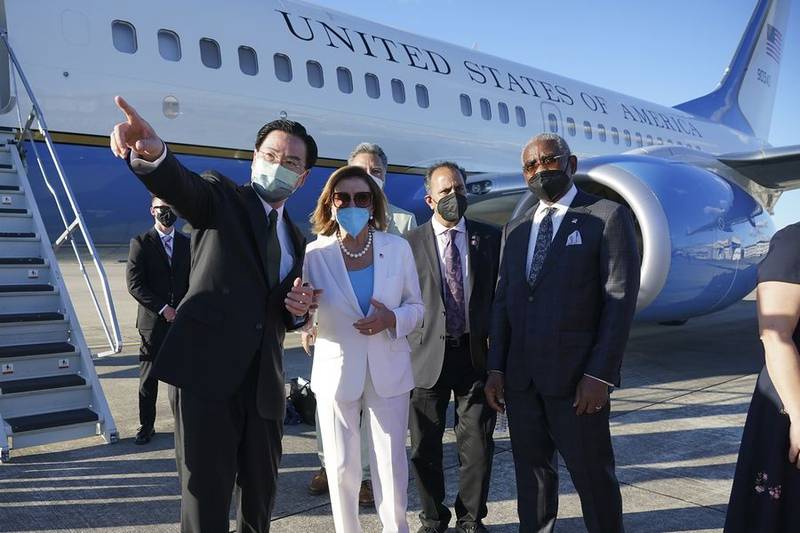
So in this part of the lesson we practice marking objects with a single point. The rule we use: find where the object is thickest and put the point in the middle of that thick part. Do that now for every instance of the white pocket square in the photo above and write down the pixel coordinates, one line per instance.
(574, 238)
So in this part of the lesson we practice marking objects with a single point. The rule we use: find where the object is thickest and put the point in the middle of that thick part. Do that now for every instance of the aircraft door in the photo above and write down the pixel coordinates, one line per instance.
(551, 119)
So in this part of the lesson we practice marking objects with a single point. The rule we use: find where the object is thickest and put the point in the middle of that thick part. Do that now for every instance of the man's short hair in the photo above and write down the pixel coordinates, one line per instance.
(455, 167)
(369, 148)
(292, 128)
(558, 140)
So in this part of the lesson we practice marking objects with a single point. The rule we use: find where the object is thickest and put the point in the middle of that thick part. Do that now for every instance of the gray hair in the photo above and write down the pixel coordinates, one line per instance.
(369, 148)
(558, 140)
(455, 167)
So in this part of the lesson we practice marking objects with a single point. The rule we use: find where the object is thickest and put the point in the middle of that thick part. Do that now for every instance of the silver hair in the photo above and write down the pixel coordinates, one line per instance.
(558, 140)
(369, 148)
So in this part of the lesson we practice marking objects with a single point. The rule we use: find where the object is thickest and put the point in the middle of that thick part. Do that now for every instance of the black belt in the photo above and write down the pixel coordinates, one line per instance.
(456, 342)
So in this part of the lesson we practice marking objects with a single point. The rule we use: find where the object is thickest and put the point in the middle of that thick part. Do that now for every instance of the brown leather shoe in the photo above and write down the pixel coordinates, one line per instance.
(319, 483)
(365, 497)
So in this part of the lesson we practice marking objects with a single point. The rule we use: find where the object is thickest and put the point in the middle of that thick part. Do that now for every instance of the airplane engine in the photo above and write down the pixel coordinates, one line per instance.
(700, 235)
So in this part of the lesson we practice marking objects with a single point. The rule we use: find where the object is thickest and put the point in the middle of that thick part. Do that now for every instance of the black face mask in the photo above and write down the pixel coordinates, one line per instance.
(166, 217)
(452, 207)
(549, 185)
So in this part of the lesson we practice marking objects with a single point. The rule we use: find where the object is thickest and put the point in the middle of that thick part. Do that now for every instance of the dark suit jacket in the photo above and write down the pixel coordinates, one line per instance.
(428, 340)
(229, 316)
(577, 317)
(152, 280)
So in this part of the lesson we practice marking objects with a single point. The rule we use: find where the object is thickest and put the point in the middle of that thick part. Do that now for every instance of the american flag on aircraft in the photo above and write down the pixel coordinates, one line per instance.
(774, 43)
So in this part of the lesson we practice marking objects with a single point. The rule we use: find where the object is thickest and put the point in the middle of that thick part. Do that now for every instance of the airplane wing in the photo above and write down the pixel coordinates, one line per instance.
(773, 168)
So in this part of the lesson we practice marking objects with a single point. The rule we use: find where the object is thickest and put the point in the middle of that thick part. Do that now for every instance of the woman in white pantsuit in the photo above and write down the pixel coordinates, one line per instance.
(370, 302)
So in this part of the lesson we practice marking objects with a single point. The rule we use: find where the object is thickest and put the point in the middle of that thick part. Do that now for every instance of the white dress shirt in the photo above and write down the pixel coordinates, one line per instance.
(142, 166)
(462, 240)
(561, 207)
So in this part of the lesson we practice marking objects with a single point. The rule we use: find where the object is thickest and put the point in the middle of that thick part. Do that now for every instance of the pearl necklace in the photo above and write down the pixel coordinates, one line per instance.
(354, 255)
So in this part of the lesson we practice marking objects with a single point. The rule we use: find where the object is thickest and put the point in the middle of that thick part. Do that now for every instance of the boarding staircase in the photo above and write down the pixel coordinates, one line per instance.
(49, 389)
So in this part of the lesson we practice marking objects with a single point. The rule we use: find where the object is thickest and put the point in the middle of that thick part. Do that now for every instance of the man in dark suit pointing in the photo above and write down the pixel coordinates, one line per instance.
(224, 351)
(457, 262)
(158, 277)
(565, 298)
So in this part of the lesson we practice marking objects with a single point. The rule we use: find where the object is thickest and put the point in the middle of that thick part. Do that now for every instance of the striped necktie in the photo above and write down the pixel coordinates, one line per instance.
(543, 240)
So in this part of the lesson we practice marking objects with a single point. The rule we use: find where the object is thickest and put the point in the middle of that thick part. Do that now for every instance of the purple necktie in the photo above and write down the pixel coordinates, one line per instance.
(454, 291)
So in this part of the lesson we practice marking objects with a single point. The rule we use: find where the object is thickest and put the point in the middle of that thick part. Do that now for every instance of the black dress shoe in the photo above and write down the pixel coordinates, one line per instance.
(429, 529)
(474, 527)
(144, 435)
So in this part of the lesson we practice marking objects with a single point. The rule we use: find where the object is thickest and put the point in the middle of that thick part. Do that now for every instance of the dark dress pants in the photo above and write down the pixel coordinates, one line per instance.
(540, 425)
(148, 385)
(474, 424)
(221, 445)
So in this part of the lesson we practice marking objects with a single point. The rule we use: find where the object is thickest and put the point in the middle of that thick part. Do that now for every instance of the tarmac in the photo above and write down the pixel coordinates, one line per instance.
(676, 425)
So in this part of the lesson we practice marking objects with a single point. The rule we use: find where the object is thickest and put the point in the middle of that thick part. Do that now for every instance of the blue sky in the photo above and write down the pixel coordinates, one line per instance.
(666, 52)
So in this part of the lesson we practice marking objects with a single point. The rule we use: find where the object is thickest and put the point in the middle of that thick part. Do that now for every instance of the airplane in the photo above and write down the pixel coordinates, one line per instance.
(699, 178)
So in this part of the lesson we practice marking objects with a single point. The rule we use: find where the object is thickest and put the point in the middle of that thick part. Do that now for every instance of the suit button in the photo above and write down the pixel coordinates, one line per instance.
(530, 298)
(226, 291)
(259, 326)
(441, 337)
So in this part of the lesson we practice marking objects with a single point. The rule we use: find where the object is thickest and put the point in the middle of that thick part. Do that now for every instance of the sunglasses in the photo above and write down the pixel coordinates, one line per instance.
(360, 199)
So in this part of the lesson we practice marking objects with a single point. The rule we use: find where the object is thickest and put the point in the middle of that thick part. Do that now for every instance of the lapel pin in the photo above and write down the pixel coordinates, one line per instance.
(574, 220)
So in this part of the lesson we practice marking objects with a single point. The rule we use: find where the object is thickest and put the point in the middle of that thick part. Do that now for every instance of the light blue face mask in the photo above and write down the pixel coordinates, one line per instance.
(352, 219)
(273, 182)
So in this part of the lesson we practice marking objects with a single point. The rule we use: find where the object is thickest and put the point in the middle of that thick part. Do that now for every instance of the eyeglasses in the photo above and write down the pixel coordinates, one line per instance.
(343, 199)
(545, 161)
(292, 164)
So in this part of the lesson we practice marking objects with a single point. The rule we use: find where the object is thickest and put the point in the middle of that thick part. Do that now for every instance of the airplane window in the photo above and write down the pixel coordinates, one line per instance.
(422, 96)
(669, 141)
(398, 91)
(314, 72)
(466, 105)
(486, 109)
(345, 80)
(521, 121)
(659, 140)
(553, 120)
(627, 135)
(248, 60)
(571, 126)
(283, 67)
(373, 85)
(601, 132)
(587, 129)
(502, 112)
(649, 140)
(639, 139)
(679, 143)
(169, 45)
(614, 135)
(209, 53)
(123, 34)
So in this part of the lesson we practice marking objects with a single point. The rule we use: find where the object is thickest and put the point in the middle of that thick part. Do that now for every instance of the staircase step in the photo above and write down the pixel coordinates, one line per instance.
(26, 288)
(40, 384)
(22, 350)
(17, 235)
(50, 420)
(21, 261)
(30, 317)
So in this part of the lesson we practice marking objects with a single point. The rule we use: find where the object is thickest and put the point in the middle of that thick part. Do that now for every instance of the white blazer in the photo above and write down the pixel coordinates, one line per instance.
(341, 352)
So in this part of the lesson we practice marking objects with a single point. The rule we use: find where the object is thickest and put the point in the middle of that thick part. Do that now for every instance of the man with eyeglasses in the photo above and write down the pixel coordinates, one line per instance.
(157, 275)
(564, 303)
(223, 354)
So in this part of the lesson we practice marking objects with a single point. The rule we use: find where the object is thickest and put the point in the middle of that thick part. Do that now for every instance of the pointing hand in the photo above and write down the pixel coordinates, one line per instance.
(134, 134)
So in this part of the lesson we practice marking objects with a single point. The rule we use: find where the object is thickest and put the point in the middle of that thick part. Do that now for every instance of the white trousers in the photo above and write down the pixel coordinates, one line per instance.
(387, 422)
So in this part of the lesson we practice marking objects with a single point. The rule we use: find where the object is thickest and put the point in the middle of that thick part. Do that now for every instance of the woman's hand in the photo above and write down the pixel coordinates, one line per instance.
(794, 443)
(380, 320)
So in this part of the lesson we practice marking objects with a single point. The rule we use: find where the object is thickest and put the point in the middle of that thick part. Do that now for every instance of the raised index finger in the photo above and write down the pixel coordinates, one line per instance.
(128, 109)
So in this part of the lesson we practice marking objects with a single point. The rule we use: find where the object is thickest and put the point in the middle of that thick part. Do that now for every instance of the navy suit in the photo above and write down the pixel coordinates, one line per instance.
(574, 320)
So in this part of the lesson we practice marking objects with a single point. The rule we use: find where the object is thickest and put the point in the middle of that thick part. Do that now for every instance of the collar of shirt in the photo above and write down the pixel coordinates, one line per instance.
(162, 234)
(560, 206)
(439, 229)
(268, 209)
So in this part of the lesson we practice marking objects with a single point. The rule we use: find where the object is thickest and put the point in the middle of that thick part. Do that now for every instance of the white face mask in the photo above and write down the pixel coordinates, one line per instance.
(272, 181)
(378, 181)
